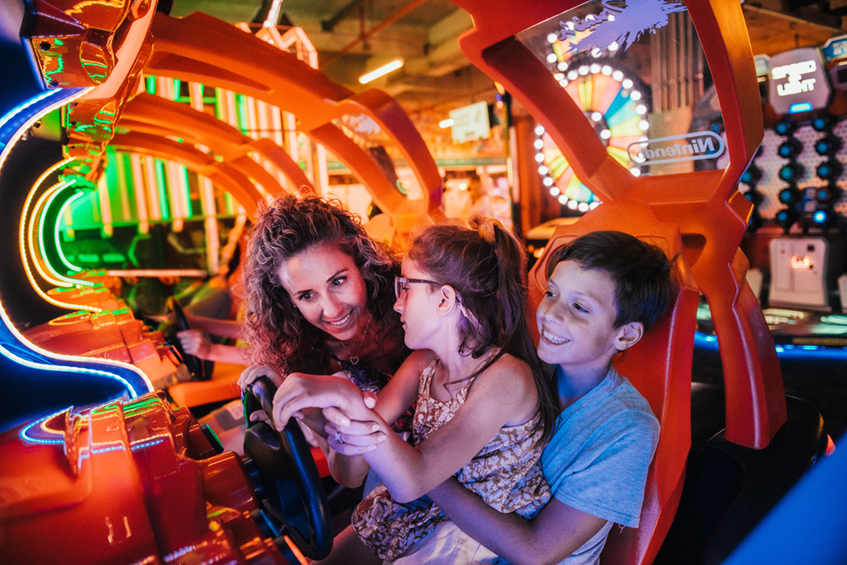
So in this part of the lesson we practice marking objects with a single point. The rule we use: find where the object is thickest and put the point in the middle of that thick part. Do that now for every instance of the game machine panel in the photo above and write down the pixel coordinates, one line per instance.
(151, 483)
(133, 480)
(559, 59)
(138, 480)
(189, 49)
(795, 237)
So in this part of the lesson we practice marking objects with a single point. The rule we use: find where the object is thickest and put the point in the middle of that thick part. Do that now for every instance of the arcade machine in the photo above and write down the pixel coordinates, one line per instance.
(796, 234)
(664, 155)
(149, 485)
(163, 486)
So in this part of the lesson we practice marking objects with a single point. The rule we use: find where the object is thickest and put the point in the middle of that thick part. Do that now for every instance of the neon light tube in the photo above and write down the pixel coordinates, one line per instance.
(381, 71)
(105, 206)
(31, 237)
(56, 231)
(140, 193)
(66, 369)
(12, 126)
(41, 231)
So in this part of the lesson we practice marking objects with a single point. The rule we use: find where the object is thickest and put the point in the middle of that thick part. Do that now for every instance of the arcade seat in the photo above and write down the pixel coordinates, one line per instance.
(729, 488)
(660, 368)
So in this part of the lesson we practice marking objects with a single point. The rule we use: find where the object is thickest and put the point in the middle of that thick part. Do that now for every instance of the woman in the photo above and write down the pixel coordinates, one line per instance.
(320, 300)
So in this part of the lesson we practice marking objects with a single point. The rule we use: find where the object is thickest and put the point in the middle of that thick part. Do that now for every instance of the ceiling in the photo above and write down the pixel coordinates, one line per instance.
(355, 36)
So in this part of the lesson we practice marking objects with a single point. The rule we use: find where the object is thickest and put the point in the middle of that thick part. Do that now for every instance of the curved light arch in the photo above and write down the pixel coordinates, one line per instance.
(134, 381)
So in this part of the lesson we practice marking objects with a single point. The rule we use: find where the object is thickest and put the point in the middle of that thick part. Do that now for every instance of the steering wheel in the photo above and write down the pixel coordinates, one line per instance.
(177, 322)
(285, 476)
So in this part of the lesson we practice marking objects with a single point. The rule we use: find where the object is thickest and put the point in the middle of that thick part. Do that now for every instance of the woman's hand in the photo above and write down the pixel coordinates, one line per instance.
(253, 372)
(353, 437)
(195, 343)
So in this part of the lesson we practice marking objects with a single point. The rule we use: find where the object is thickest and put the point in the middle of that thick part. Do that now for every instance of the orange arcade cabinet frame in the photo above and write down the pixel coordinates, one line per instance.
(698, 216)
(706, 205)
(203, 49)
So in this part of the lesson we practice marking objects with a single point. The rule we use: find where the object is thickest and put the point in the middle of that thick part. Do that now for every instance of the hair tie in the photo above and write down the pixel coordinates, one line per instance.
(484, 227)
(468, 314)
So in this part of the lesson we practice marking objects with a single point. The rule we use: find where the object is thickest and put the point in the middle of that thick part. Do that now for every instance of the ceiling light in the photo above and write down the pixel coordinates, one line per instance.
(383, 70)
(445, 123)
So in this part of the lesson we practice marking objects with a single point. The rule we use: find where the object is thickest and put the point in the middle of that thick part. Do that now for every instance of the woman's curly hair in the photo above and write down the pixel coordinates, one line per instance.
(278, 334)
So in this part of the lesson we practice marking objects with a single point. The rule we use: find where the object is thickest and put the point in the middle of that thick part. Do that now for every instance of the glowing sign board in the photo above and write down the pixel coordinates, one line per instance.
(798, 79)
(470, 123)
(835, 48)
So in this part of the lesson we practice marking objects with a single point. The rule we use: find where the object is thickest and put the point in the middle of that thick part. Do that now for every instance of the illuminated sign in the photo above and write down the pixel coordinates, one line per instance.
(470, 123)
(686, 147)
(835, 52)
(835, 48)
(798, 81)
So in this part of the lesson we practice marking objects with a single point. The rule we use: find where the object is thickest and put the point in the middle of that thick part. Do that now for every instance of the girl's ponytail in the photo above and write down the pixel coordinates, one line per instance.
(513, 299)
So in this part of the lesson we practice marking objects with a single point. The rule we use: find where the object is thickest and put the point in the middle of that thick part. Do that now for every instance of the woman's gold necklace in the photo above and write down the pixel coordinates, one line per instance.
(354, 359)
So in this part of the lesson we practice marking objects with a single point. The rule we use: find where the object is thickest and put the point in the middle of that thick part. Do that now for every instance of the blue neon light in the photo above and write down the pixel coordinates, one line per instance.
(799, 107)
(107, 449)
(144, 444)
(819, 217)
(24, 433)
(65, 369)
(786, 351)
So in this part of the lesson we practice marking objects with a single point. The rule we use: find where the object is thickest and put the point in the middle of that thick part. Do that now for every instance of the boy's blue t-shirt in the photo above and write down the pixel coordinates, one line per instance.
(598, 457)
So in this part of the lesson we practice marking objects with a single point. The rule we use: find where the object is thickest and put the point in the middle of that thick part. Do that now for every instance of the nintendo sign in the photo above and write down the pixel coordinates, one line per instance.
(798, 81)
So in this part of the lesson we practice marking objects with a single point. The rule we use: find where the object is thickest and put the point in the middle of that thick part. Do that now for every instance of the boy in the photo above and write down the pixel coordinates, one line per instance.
(605, 289)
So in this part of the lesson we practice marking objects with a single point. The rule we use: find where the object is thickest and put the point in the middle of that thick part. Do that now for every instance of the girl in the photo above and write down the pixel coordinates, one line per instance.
(483, 410)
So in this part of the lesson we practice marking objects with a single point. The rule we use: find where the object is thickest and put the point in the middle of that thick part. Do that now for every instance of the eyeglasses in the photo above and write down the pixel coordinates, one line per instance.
(401, 282)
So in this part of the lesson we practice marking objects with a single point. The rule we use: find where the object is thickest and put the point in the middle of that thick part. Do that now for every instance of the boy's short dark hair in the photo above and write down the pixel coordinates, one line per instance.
(641, 273)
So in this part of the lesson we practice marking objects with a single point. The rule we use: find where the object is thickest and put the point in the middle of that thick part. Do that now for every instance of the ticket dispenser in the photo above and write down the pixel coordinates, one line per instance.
(799, 273)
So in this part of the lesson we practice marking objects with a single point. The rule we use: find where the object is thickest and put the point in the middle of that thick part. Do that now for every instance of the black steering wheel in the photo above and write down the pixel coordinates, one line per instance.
(177, 322)
(285, 476)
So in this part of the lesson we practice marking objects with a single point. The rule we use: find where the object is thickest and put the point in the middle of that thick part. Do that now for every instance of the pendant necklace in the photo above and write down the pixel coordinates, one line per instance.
(354, 359)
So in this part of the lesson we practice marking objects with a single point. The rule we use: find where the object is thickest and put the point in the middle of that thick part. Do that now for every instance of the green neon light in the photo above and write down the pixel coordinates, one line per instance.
(163, 189)
(62, 256)
(114, 257)
(220, 104)
(177, 88)
(59, 69)
(41, 231)
(241, 110)
(151, 85)
(188, 210)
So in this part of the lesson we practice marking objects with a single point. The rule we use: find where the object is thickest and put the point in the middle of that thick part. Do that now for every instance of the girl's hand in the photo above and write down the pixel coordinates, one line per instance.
(253, 372)
(352, 437)
(301, 391)
(194, 343)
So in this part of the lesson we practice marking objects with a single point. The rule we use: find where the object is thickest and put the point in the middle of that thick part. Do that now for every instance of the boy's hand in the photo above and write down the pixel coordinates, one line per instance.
(253, 372)
(194, 343)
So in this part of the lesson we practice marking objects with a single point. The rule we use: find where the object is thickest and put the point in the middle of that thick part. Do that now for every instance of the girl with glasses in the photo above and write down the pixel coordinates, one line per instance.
(483, 409)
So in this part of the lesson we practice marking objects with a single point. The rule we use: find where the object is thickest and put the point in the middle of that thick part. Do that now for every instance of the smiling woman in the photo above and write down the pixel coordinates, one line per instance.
(320, 290)
(320, 301)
